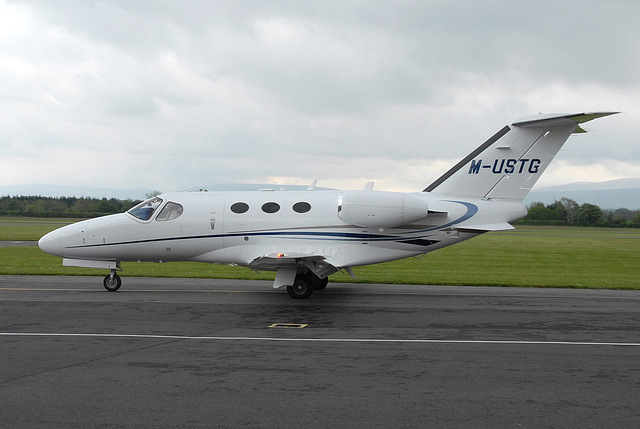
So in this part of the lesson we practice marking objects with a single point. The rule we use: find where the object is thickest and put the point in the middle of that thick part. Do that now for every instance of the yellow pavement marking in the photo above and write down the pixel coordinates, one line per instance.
(289, 325)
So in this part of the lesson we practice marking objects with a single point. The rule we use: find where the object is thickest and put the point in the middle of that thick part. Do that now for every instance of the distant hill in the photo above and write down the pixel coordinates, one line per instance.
(612, 194)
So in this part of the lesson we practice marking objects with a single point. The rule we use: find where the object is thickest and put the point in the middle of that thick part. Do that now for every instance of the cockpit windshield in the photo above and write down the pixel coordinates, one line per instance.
(144, 210)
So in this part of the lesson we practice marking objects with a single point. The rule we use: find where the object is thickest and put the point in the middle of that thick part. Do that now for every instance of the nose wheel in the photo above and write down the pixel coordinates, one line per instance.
(112, 282)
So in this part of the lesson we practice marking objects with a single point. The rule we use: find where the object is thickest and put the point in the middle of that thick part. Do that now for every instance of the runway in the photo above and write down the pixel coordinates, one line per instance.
(221, 353)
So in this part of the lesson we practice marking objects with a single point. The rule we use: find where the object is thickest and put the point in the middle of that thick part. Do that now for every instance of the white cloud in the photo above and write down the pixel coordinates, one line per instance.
(155, 94)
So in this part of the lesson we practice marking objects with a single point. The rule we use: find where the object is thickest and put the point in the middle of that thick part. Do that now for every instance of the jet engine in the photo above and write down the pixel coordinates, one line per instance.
(380, 209)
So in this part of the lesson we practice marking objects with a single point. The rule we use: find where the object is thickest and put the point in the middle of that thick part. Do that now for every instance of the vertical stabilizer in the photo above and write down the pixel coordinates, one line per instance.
(507, 165)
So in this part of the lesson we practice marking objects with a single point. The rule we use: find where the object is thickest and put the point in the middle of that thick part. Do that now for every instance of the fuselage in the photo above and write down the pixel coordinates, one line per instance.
(239, 227)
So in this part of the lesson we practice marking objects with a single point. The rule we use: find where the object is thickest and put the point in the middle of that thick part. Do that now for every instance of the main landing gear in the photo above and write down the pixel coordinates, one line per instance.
(304, 285)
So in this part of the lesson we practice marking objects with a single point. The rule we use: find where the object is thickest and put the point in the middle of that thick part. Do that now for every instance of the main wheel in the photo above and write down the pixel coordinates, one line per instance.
(112, 283)
(301, 289)
(316, 282)
(320, 284)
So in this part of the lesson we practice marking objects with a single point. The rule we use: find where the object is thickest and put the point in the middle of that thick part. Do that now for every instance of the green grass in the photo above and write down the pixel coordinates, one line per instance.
(529, 256)
(29, 228)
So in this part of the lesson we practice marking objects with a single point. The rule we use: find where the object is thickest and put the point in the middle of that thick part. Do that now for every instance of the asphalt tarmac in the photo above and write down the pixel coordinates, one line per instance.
(219, 353)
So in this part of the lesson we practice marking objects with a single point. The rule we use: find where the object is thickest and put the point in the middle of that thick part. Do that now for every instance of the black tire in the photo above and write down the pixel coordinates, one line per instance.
(301, 289)
(112, 284)
(316, 282)
(321, 283)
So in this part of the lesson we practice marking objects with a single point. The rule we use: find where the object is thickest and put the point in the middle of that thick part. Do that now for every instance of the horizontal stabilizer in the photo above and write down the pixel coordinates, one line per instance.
(559, 121)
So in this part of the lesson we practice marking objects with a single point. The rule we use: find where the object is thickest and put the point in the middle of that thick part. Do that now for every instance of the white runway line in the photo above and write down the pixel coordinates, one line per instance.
(318, 340)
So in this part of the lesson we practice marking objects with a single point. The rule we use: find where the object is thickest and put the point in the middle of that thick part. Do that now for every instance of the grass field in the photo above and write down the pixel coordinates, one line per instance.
(529, 256)
(29, 228)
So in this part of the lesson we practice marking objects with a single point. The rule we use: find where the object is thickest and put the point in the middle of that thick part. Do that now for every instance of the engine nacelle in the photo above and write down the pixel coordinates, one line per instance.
(380, 209)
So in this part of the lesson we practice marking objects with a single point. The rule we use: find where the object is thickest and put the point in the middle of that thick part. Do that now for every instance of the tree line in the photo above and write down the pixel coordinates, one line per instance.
(568, 212)
(84, 207)
(562, 212)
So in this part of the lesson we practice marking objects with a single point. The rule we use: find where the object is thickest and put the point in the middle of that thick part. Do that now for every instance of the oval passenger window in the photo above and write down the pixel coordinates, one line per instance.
(301, 207)
(270, 207)
(240, 208)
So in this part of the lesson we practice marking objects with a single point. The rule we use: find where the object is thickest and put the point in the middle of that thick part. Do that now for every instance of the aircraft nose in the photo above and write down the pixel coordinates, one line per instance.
(51, 243)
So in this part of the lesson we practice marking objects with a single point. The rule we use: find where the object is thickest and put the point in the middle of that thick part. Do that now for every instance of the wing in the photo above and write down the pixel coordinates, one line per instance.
(273, 261)
(287, 264)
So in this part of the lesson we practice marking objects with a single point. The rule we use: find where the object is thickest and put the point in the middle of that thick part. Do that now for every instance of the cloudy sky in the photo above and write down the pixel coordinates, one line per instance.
(172, 95)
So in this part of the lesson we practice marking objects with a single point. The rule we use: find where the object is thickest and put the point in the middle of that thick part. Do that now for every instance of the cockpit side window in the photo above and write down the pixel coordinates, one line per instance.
(144, 210)
(169, 212)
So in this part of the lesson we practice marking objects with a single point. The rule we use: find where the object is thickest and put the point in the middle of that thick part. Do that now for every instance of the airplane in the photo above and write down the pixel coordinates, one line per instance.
(306, 236)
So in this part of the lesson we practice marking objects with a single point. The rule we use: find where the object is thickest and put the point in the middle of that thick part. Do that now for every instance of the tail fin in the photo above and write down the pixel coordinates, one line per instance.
(507, 165)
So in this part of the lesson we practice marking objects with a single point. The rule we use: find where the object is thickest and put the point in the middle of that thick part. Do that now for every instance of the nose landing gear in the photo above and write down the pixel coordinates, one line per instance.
(112, 281)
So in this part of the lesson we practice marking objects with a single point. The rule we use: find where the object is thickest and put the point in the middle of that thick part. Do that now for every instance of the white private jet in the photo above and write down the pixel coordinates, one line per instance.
(305, 236)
